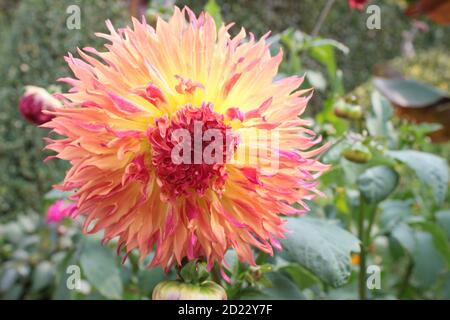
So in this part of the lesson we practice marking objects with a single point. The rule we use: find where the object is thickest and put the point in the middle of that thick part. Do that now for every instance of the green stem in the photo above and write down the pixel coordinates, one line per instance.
(215, 274)
(362, 256)
(373, 212)
(405, 283)
(323, 14)
(320, 20)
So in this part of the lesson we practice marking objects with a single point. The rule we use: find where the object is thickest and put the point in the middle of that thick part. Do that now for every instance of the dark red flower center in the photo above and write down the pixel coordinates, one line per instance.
(190, 151)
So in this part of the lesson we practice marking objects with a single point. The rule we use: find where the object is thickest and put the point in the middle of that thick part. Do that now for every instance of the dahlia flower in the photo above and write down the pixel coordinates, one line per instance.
(34, 102)
(186, 84)
(59, 210)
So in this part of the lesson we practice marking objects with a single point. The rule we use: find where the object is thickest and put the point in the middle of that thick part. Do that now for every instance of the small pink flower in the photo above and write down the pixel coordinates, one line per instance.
(357, 4)
(59, 210)
(34, 102)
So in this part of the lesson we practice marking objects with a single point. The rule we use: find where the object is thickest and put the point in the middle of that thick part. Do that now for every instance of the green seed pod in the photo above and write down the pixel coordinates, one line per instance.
(358, 153)
(348, 111)
(177, 290)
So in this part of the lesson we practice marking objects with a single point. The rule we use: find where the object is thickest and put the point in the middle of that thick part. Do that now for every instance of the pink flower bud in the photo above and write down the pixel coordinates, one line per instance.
(34, 102)
(59, 210)
(357, 4)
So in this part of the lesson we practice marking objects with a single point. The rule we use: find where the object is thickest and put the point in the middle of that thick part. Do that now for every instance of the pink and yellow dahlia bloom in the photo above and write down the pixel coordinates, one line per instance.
(119, 122)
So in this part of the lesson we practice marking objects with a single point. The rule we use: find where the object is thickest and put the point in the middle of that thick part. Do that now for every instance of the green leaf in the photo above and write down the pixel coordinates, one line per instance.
(443, 220)
(194, 271)
(404, 234)
(439, 237)
(12, 232)
(316, 79)
(8, 278)
(380, 107)
(214, 11)
(324, 54)
(393, 212)
(409, 93)
(99, 265)
(62, 292)
(431, 169)
(14, 293)
(447, 287)
(149, 278)
(352, 170)
(301, 276)
(322, 247)
(377, 183)
(43, 275)
(428, 263)
(380, 115)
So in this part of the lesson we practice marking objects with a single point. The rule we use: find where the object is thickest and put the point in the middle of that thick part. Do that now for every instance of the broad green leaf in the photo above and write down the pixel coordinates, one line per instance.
(352, 170)
(404, 234)
(422, 129)
(99, 266)
(431, 169)
(62, 292)
(149, 278)
(447, 287)
(439, 237)
(443, 220)
(324, 54)
(380, 107)
(301, 276)
(409, 93)
(378, 122)
(377, 183)
(28, 222)
(14, 293)
(322, 247)
(393, 212)
(428, 263)
(43, 275)
(8, 277)
(12, 232)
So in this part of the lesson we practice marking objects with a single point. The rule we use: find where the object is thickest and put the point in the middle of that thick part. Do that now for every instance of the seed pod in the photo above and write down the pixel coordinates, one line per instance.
(177, 290)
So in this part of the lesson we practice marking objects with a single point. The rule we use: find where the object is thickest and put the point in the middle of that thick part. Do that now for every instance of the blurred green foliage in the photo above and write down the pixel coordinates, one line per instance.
(34, 40)
(367, 47)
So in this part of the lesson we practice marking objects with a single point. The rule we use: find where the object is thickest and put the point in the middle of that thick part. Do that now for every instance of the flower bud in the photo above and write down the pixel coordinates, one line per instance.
(34, 102)
(348, 111)
(177, 290)
(358, 153)
(59, 210)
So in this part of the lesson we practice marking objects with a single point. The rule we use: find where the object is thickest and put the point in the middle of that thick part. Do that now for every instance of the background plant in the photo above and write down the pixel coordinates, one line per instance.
(387, 202)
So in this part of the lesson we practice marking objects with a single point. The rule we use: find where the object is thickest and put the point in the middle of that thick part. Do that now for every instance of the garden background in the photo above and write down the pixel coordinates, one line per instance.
(406, 228)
